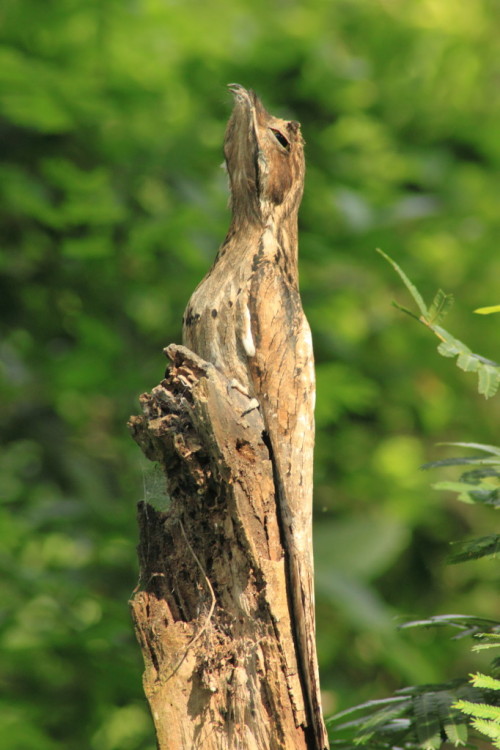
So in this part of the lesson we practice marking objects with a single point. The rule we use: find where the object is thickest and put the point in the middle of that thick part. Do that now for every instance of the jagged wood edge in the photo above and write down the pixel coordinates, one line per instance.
(199, 428)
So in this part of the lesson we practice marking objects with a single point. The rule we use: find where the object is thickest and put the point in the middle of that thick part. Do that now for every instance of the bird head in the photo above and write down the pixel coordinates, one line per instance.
(264, 158)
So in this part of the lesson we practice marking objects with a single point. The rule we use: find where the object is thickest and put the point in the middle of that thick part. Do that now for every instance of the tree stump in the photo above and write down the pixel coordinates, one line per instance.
(211, 609)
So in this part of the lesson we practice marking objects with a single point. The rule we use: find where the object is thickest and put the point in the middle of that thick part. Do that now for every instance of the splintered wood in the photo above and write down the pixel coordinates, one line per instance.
(211, 609)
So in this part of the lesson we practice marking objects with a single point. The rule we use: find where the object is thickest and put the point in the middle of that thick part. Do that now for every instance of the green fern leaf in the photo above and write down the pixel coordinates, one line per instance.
(485, 717)
(479, 710)
(375, 704)
(487, 682)
(488, 476)
(478, 460)
(467, 362)
(456, 732)
(440, 307)
(488, 728)
(485, 546)
(491, 640)
(411, 288)
(489, 380)
(478, 446)
(487, 495)
(449, 348)
(488, 371)
(469, 624)
(428, 726)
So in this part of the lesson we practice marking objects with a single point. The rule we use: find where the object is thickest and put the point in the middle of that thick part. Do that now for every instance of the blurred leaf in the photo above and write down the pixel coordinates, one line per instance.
(489, 380)
(488, 371)
(494, 449)
(411, 287)
(29, 95)
(488, 310)
(440, 307)
(486, 546)
(467, 362)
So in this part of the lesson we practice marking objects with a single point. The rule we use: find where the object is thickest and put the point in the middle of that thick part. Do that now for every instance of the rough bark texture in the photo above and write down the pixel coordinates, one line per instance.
(246, 318)
(211, 609)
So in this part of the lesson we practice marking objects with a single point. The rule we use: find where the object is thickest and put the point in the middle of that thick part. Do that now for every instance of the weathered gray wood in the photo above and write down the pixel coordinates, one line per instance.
(246, 318)
(211, 609)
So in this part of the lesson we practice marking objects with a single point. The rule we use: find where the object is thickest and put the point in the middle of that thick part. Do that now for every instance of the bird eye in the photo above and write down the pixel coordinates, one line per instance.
(281, 138)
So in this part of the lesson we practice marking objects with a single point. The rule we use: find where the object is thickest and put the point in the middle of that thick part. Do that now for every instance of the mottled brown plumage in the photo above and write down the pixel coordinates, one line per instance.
(246, 318)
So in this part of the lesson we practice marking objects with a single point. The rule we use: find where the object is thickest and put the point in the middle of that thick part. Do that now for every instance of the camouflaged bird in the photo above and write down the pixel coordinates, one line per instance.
(246, 318)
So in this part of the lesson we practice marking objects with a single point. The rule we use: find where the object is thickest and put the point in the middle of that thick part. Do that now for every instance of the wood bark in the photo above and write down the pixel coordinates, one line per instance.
(246, 318)
(212, 609)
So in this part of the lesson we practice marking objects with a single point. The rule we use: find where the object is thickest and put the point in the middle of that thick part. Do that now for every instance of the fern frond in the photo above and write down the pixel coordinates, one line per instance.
(456, 732)
(485, 546)
(489, 729)
(489, 380)
(487, 682)
(479, 710)
(416, 718)
(428, 709)
(488, 371)
(491, 640)
(462, 461)
(373, 704)
(477, 446)
(476, 476)
(478, 485)
(411, 287)
(440, 307)
(469, 625)
(484, 716)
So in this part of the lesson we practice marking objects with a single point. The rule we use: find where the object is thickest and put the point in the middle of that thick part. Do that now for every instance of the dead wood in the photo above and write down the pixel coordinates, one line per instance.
(211, 609)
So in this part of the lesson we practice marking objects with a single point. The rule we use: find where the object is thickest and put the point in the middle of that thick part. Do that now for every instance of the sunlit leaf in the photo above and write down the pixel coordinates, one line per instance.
(488, 310)
(489, 380)
(456, 732)
(485, 681)
(467, 362)
(448, 348)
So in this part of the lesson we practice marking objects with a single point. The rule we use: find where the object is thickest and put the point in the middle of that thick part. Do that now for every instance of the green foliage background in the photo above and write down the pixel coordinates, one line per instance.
(112, 115)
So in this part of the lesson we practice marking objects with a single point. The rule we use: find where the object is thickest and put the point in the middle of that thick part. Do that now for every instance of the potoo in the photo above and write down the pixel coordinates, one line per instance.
(246, 318)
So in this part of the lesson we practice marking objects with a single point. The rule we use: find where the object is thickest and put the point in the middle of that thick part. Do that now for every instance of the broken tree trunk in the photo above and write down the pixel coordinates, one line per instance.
(211, 610)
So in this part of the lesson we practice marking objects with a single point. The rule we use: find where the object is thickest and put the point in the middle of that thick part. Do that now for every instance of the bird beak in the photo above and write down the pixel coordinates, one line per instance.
(238, 91)
(248, 98)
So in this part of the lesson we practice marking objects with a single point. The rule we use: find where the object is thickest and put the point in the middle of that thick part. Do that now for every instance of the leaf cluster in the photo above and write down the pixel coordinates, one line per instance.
(429, 716)
(481, 485)
(416, 717)
(488, 372)
(484, 717)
